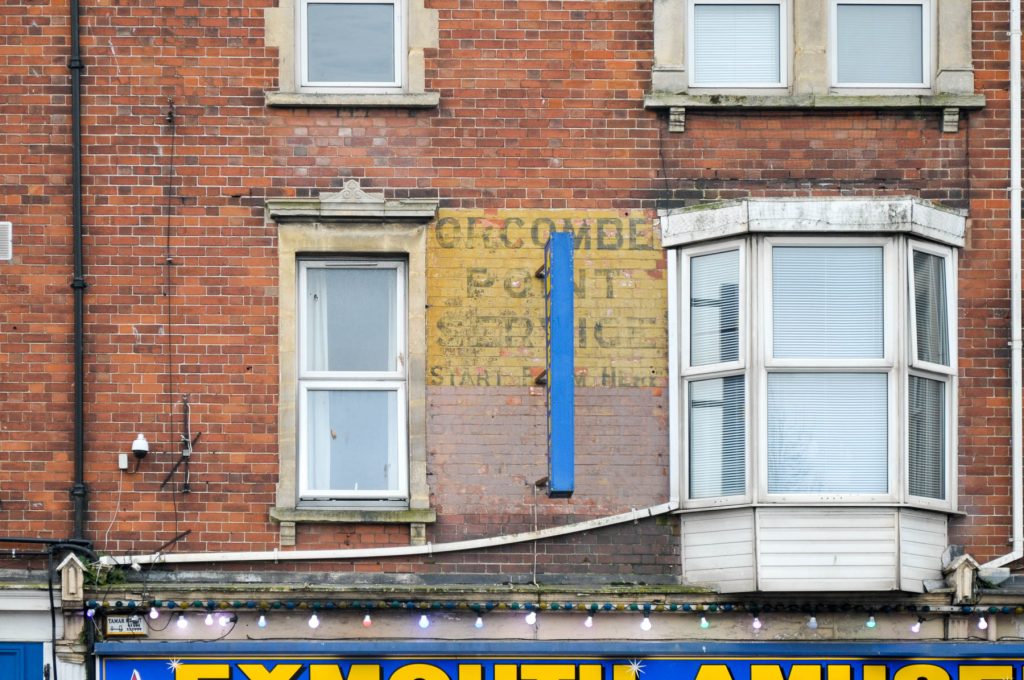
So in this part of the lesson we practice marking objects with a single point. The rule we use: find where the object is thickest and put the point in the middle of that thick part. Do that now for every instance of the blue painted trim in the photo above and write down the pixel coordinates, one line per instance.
(561, 339)
(27, 656)
(624, 650)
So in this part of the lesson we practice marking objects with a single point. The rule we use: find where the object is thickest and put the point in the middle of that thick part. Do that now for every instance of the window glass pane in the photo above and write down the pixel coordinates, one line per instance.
(827, 433)
(879, 43)
(828, 302)
(350, 42)
(714, 308)
(736, 44)
(930, 314)
(352, 440)
(717, 439)
(927, 438)
(350, 319)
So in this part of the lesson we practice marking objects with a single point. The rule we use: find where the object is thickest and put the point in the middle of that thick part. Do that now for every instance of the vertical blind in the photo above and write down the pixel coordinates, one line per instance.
(927, 455)
(828, 433)
(735, 43)
(714, 308)
(930, 313)
(879, 43)
(827, 302)
(717, 437)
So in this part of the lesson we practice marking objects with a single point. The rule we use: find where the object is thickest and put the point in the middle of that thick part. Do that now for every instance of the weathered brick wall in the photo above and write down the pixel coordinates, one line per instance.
(541, 118)
(984, 302)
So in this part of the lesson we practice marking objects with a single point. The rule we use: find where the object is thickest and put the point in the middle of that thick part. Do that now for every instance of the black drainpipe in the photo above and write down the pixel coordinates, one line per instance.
(75, 64)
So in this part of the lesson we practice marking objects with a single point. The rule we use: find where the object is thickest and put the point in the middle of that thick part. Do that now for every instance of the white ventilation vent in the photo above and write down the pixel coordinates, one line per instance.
(6, 249)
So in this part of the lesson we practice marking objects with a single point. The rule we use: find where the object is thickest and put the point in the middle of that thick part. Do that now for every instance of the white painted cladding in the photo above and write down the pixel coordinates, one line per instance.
(812, 549)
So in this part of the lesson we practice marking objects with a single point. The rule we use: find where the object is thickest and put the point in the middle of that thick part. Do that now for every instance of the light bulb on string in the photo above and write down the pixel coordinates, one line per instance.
(704, 623)
(367, 621)
(209, 619)
(589, 621)
(262, 623)
(870, 623)
(314, 621)
(182, 621)
(424, 621)
(479, 623)
(756, 623)
(982, 623)
(645, 625)
(916, 626)
(90, 613)
(224, 619)
(154, 613)
(531, 617)
(812, 622)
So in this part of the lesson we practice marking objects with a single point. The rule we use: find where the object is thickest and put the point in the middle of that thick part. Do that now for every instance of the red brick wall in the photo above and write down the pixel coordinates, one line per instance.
(541, 108)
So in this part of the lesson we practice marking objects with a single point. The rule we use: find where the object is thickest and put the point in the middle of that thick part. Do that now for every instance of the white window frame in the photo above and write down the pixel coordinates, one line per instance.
(362, 86)
(690, 373)
(766, 362)
(926, 44)
(933, 371)
(756, 363)
(389, 381)
(783, 46)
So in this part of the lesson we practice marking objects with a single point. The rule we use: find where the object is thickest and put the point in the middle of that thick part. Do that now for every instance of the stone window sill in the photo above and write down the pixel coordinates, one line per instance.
(352, 516)
(949, 104)
(399, 100)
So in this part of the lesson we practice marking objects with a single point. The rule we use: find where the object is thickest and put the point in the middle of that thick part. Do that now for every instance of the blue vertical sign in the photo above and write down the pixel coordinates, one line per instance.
(558, 303)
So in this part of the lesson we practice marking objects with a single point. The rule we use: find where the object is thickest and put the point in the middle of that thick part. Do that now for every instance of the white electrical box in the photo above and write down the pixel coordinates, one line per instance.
(122, 461)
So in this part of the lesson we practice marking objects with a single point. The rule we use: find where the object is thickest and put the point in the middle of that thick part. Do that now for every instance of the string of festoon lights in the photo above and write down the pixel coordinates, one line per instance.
(224, 613)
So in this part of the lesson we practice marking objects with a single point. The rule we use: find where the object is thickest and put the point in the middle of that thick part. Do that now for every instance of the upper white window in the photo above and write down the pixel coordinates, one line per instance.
(884, 44)
(737, 43)
(351, 43)
(352, 380)
(802, 380)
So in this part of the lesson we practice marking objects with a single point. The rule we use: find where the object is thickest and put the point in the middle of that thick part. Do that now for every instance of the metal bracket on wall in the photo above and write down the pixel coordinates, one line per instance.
(187, 443)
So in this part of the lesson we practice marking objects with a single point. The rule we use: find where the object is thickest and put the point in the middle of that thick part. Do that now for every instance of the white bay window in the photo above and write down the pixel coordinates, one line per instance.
(814, 348)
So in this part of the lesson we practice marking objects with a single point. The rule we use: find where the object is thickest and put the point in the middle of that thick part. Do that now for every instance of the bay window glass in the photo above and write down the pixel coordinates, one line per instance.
(880, 43)
(352, 380)
(831, 396)
(737, 44)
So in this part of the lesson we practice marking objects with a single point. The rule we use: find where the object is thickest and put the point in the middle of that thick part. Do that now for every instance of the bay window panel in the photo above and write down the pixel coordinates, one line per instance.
(879, 43)
(828, 433)
(350, 319)
(736, 43)
(931, 316)
(714, 308)
(717, 441)
(352, 440)
(927, 444)
(828, 302)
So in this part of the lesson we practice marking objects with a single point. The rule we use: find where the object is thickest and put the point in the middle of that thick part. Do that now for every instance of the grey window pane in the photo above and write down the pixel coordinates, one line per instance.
(827, 433)
(927, 438)
(350, 43)
(930, 314)
(714, 308)
(353, 443)
(350, 319)
(879, 43)
(717, 427)
(736, 44)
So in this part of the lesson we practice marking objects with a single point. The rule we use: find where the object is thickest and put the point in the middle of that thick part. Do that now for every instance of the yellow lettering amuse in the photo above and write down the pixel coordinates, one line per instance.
(921, 671)
(355, 672)
(204, 671)
(554, 671)
(986, 672)
(257, 671)
(419, 671)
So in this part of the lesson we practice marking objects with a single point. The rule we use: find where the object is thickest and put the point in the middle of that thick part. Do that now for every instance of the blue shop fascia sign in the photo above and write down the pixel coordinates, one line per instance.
(568, 661)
